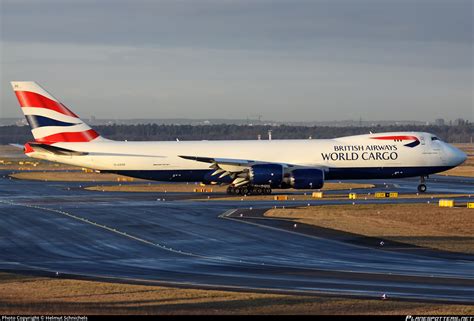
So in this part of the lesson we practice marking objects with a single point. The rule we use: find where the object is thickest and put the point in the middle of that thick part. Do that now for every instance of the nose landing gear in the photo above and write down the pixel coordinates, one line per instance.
(422, 187)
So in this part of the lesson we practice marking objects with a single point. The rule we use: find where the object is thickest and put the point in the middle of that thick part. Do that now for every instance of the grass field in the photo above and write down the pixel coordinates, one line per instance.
(12, 158)
(426, 225)
(40, 295)
(8, 151)
(215, 188)
(73, 176)
(308, 197)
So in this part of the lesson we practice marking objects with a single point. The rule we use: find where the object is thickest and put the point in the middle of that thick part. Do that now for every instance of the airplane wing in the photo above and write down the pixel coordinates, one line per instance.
(224, 161)
(237, 169)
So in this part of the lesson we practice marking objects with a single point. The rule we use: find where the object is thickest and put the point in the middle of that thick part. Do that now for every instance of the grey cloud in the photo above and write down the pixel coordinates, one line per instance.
(333, 59)
(236, 24)
(167, 83)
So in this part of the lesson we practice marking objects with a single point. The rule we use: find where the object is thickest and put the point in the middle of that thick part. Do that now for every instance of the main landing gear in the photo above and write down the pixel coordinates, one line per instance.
(422, 186)
(249, 190)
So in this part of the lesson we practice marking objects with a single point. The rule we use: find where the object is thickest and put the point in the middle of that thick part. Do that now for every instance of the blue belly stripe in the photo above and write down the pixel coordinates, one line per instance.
(204, 175)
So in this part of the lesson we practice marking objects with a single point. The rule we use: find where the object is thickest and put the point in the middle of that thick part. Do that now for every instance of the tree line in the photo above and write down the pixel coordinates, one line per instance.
(462, 133)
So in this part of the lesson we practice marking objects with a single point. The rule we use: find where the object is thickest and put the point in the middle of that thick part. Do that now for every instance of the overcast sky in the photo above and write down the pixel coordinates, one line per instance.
(285, 60)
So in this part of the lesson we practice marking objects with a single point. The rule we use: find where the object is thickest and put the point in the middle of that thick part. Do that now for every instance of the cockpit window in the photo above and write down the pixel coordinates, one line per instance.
(434, 138)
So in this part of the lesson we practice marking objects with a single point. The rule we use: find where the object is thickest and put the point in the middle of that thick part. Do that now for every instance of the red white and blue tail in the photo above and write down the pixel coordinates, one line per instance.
(50, 121)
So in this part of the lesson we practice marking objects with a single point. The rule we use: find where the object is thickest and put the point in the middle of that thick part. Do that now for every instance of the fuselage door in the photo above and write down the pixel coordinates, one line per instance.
(422, 140)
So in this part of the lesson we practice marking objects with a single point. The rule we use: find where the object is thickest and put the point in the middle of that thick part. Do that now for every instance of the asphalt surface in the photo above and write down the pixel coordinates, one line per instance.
(165, 239)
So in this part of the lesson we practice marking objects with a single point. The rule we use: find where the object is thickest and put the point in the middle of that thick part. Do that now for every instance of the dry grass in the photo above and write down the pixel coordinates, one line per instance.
(76, 176)
(155, 188)
(308, 197)
(9, 151)
(38, 295)
(12, 158)
(30, 164)
(465, 147)
(215, 188)
(463, 170)
(426, 225)
(328, 186)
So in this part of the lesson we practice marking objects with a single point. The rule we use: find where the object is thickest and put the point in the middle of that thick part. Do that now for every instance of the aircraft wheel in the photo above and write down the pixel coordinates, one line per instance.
(422, 188)
(250, 190)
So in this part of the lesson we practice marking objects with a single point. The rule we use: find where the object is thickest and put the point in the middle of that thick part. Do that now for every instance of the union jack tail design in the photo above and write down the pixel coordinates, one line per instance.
(50, 121)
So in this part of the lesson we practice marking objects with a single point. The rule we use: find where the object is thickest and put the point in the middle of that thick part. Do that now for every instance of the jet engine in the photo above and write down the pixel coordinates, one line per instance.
(306, 178)
(266, 174)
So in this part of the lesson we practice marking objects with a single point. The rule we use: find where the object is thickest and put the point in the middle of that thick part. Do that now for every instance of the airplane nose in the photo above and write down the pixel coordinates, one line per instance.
(463, 157)
(457, 156)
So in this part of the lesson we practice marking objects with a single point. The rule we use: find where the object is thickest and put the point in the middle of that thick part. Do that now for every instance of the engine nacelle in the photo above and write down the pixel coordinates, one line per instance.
(266, 174)
(307, 178)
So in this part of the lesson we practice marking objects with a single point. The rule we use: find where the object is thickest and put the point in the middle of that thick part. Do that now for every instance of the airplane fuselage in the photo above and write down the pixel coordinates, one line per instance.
(396, 155)
(61, 136)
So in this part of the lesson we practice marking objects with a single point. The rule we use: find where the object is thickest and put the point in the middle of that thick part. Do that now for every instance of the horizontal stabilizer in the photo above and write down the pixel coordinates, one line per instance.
(38, 147)
(17, 146)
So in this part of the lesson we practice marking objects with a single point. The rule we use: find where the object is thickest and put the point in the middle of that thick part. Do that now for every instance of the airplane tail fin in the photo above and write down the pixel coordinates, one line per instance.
(50, 121)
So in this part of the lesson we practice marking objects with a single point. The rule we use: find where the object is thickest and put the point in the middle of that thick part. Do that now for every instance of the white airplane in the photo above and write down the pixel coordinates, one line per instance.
(247, 166)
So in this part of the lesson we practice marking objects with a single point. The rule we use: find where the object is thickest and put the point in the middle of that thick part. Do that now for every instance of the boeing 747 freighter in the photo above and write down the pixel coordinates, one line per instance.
(248, 167)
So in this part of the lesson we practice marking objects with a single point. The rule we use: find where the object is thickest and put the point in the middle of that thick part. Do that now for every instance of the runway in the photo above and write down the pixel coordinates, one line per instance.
(139, 237)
